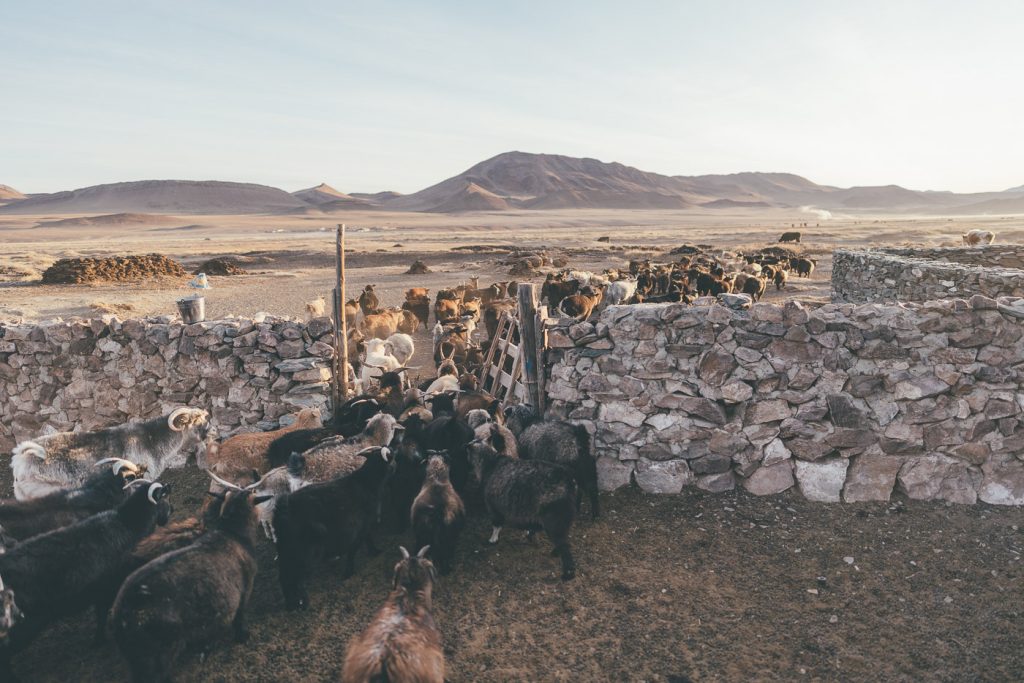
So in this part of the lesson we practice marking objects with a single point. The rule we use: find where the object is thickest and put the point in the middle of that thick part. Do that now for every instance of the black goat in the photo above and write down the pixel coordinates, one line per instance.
(558, 442)
(438, 513)
(335, 517)
(527, 494)
(451, 434)
(191, 595)
(57, 573)
(103, 490)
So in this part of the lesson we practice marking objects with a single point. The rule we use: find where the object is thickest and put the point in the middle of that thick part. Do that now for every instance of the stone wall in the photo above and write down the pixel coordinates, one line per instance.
(927, 274)
(846, 402)
(99, 373)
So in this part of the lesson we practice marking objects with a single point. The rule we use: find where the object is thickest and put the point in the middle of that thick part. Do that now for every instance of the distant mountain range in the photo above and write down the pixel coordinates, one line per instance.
(517, 181)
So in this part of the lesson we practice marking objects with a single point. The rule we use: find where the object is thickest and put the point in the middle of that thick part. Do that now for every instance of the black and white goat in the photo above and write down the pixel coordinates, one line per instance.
(64, 460)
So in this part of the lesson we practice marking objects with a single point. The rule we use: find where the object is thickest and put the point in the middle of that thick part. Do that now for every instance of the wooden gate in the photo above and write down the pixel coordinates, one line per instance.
(513, 370)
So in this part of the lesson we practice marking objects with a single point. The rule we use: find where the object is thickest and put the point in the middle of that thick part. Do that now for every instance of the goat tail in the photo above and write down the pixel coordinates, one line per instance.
(26, 449)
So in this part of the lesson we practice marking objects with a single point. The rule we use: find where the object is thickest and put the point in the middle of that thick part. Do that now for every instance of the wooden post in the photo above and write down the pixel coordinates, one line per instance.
(527, 296)
(542, 344)
(340, 373)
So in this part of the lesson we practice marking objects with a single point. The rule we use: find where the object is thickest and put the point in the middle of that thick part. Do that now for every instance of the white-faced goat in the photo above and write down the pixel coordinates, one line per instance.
(438, 513)
(400, 346)
(64, 460)
(337, 516)
(527, 494)
(558, 442)
(58, 573)
(190, 596)
(104, 490)
(402, 643)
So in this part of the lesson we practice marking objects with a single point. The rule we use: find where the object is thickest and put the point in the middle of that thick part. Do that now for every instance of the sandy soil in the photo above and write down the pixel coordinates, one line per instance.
(291, 259)
(691, 587)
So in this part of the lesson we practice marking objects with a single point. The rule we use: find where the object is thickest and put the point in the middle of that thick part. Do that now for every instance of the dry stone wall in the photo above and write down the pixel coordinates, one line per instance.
(98, 373)
(927, 274)
(845, 402)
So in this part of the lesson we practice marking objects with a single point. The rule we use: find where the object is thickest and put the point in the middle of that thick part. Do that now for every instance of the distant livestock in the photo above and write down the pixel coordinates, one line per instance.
(975, 238)
(790, 237)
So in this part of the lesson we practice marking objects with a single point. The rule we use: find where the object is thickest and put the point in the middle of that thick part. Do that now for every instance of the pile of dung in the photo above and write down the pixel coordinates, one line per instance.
(220, 266)
(417, 268)
(78, 271)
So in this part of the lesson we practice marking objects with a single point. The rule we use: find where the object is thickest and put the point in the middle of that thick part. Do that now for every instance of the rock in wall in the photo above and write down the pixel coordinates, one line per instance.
(844, 402)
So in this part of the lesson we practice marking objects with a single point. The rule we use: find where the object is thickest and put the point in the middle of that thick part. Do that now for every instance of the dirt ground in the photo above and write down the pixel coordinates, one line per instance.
(696, 587)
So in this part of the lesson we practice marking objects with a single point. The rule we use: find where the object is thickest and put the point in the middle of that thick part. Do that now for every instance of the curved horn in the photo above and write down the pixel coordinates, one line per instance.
(226, 484)
(423, 552)
(119, 464)
(405, 553)
(135, 482)
(153, 488)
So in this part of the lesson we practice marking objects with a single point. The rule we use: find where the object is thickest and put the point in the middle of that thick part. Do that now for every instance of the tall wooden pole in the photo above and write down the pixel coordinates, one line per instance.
(340, 374)
(527, 296)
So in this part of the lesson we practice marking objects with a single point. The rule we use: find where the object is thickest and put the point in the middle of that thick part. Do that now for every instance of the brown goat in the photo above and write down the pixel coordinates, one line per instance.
(581, 305)
(446, 310)
(382, 325)
(240, 454)
(402, 643)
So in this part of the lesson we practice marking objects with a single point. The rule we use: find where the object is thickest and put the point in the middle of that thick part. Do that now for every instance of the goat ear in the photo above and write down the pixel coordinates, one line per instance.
(215, 494)
(260, 500)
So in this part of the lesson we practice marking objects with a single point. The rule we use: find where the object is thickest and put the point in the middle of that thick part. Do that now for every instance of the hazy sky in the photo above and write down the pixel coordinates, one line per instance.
(398, 95)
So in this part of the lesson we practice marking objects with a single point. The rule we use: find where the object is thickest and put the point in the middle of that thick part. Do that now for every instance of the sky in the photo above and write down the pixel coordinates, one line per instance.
(369, 96)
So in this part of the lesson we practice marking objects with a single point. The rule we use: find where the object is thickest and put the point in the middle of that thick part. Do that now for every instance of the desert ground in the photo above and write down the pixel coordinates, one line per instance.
(291, 258)
(692, 587)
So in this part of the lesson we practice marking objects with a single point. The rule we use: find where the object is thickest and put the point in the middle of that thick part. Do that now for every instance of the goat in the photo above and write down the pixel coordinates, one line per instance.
(418, 303)
(781, 276)
(449, 433)
(755, 286)
(335, 457)
(493, 312)
(438, 513)
(495, 435)
(249, 451)
(401, 346)
(56, 574)
(23, 519)
(62, 460)
(339, 515)
(317, 308)
(352, 311)
(527, 494)
(802, 266)
(976, 237)
(580, 306)
(377, 361)
(191, 595)
(408, 323)
(446, 310)
(402, 643)
(9, 612)
(790, 237)
(368, 300)
(620, 291)
(558, 442)
(382, 324)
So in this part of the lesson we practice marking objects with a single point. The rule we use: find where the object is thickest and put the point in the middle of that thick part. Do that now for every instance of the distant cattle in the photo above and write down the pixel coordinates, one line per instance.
(790, 237)
(974, 238)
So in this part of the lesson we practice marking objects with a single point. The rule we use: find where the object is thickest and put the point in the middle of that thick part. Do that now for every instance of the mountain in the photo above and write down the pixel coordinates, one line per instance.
(471, 197)
(551, 181)
(9, 194)
(326, 198)
(162, 196)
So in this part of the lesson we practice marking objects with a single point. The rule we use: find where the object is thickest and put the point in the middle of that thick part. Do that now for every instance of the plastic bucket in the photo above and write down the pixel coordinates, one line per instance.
(192, 309)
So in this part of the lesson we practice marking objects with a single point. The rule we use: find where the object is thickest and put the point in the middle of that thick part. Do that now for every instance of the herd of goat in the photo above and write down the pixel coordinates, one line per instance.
(89, 525)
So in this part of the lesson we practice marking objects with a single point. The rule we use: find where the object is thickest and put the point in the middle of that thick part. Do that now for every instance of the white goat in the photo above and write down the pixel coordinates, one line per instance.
(401, 347)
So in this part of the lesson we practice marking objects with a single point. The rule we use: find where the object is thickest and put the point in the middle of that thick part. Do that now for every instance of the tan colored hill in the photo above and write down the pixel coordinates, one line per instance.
(472, 197)
(9, 194)
(110, 219)
(209, 197)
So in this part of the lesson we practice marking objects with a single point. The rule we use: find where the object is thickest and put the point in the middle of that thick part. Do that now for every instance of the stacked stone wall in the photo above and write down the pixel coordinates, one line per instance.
(99, 373)
(927, 274)
(845, 402)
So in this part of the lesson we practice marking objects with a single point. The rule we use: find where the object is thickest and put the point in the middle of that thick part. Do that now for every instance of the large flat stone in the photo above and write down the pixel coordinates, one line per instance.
(821, 481)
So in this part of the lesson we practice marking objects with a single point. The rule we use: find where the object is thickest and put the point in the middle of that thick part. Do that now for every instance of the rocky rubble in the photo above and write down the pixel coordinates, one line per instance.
(102, 372)
(845, 402)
